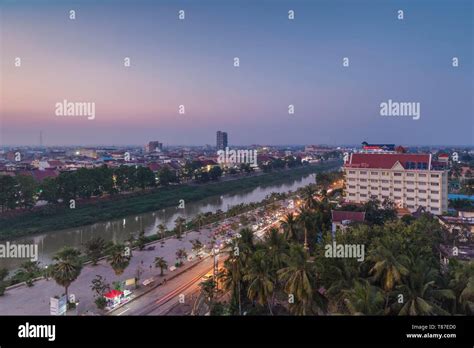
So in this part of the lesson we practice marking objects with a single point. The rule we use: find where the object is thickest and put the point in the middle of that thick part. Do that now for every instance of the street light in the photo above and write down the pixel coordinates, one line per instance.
(216, 263)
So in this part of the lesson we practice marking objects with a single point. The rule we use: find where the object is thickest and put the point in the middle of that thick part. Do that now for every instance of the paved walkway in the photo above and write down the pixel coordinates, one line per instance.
(34, 300)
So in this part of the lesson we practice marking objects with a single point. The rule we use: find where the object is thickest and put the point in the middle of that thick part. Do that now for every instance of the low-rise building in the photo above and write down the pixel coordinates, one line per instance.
(409, 180)
(341, 219)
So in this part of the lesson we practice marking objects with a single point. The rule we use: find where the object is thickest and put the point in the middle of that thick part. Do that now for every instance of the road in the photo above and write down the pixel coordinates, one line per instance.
(180, 291)
(162, 299)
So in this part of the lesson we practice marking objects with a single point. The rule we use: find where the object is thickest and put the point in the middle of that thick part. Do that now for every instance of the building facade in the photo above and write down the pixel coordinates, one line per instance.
(409, 180)
(221, 140)
(154, 146)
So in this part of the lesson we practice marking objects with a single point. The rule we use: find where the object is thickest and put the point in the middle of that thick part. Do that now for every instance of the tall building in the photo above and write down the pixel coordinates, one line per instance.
(221, 142)
(409, 180)
(154, 146)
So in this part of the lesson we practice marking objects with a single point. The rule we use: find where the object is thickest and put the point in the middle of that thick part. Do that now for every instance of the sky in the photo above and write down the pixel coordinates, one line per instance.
(190, 62)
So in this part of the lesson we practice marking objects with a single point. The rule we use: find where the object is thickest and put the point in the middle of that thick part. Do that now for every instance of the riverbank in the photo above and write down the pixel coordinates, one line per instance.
(59, 217)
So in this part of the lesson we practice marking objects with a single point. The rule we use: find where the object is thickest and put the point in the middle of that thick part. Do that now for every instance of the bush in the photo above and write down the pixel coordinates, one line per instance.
(100, 302)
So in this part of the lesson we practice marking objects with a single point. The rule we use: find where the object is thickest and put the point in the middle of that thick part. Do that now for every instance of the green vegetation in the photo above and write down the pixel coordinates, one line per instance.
(56, 217)
(161, 264)
(67, 267)
(288, 272)
(100, 286)
(119, 258)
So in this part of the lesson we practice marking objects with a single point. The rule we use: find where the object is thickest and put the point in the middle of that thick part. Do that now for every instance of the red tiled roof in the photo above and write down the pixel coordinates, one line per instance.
(154, 166)
(384, 160)
(55, 163)
(339, 216)
(39, 175)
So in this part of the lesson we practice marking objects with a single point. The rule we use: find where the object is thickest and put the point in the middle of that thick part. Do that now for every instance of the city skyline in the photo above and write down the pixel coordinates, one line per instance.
(190, 62)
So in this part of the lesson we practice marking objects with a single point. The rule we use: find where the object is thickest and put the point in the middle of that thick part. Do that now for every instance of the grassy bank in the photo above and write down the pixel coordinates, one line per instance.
(59, 217)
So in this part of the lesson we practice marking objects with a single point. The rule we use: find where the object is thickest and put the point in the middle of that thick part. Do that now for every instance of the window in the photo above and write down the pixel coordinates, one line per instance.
(397, 197)
(352, 186)
(435, 201)
(352, 194)
(363, 195)
(363, 173)
(422, 175)
(385, 181)
(352, 172)
(363, 180)
(410, 182)
(410, 199)
(410, 190)
(434, 175)
(434, 184)
(434, 192)
(351, 179)
(411, 206)
(397, 174)
(374, 173)
(422, 200)
(422, 166)
(397, 181)
(363, 187)
(410, 174)
(421, 191)
(384, 188)
(421, 183)
(374, 180)
(397, 190)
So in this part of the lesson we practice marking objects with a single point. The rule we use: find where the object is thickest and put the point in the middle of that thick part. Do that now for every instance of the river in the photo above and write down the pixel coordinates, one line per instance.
(119, 230)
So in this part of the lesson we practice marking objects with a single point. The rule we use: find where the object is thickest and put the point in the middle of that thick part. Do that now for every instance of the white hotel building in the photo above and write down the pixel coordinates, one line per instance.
(409, 180)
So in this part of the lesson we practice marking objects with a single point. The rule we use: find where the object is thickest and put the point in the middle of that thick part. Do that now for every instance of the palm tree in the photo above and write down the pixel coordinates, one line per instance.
(462, 284)
(289, 224)
(161, 264)
(364, 299)
(197, 245)
(231, 279)
(387, 269)
(258, 274)
(179, 224)
(118, 258)
(246, 239)
(67, 267)
(421, 293)
(28, 271)
(161, 231)
(276, 248)
(297, 280)
(181, 254)
(208, 287)
(308, 196)
(339, 275)
(200, 219)
(95, 249)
